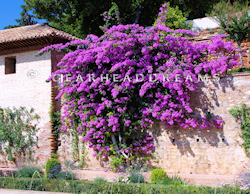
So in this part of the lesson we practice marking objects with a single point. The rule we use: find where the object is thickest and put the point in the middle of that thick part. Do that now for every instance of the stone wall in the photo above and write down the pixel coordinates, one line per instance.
(189, 151)
(198, 151)
(214, 151)
(27, 87)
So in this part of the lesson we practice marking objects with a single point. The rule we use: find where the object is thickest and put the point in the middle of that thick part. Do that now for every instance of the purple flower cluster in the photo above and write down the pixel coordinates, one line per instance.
(111, 17)
(162, 15)
(114, 116)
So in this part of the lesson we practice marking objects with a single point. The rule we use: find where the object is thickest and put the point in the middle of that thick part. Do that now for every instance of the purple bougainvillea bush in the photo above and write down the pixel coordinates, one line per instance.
(111, 105)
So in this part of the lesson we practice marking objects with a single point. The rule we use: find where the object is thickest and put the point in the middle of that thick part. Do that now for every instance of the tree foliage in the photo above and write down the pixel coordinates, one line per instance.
(81, 18)
(17, 133)
(173, 18)
(26, 19)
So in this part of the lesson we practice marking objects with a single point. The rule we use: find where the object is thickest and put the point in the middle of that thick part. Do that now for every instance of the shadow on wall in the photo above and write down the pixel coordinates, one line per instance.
(203, 101)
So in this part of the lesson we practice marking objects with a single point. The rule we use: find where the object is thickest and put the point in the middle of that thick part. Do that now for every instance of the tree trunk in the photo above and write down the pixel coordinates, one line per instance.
(138, 10)
(114, 142)
(241, 58)
(116, 147)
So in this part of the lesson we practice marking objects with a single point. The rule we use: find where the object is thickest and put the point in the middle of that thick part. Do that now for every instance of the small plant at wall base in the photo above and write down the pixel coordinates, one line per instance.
(242, 114)
(158, 175)
(28, 172)
(173, 180)
(52, 168)
(136, 178)
(18, 130)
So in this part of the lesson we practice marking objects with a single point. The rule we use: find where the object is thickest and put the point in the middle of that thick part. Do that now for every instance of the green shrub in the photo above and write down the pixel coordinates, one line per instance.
(66, 175)
(238, 70)
(174, 180)
(28, 171)
(242, 114)
(18, 133)
(136, 178)
(117, 161)
(53, 167)
(158, 175)
(175, 19)
(100, 180)
(166, 181)
(76, 186)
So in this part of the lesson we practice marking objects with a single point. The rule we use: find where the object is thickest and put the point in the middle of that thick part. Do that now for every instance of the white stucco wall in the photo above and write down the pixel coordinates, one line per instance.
(20, 90)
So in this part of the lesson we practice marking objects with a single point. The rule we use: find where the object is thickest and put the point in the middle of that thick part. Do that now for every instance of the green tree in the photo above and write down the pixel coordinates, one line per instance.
(175, 18)
(83, 17)
(18, 133)
(26, 19)
(197, 8)
(194, 8)
(234, 20)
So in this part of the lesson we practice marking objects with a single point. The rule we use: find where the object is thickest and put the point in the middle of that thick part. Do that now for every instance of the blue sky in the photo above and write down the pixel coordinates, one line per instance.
(9, 11)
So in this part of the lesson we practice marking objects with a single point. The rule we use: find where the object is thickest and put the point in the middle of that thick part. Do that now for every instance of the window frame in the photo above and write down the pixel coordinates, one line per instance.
(10, 68)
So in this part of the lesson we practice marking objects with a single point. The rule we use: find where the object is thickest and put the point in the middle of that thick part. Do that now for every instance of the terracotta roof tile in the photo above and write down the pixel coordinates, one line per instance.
(33, 31)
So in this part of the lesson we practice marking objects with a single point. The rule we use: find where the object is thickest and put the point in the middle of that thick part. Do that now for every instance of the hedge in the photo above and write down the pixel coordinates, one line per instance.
(107, 188)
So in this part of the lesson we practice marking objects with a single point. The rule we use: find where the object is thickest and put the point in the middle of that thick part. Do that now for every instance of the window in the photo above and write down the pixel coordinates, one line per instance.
(10, 65)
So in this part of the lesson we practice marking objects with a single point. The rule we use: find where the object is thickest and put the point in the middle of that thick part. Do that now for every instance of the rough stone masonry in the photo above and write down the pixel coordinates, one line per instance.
(189, 151)
(197, 151)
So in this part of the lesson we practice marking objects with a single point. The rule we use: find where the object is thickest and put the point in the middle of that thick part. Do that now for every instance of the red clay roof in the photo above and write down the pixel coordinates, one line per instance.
(33, 31)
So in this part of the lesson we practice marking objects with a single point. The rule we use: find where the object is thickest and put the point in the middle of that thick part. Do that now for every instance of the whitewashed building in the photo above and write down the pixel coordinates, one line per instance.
(22, 75)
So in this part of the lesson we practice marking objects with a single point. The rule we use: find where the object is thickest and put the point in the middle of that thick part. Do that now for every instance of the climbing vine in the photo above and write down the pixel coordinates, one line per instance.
(111, 103)
(77, 150)
(78, 147)
(55, 118)
(242, 114)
